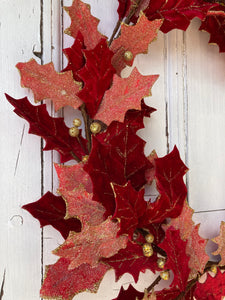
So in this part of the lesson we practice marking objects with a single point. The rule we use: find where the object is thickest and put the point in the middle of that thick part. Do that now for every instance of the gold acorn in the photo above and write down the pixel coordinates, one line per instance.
(149, 238)
(147, 250)
(95, 127)
(74, 132)
(85, 158)
(161, 262)
(165, 275)
(213, 269)
(77, 122)
(128, 55)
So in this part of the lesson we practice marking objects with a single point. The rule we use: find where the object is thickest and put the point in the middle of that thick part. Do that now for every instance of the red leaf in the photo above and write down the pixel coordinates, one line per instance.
(46, 83)
(214, 24)
(71, 177)
(130, 205)
(177, 14)
(75, 56)
(135, 39)
(124, 94)
(61, 283)
(92, 243)
(117, 156)
(168, 294)
(169, 172)
(177, 259)
(131, 260)
(130, 294)
(123, 9)
(83, 21)
(53, 130)
(212, 289)
(51, 210)
(97, 76)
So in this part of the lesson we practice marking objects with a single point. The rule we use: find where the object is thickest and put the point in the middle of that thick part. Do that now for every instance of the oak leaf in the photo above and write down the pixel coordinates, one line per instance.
(130, 294)
(175, 249)
(135, 39)
(53, 130)
(62, 283)
(177, 14)
(46, 83)
(51, 210)
(220, 241)
(83, 21)
(131, 260)
(97, 75)
(124, 94)
(92, 243)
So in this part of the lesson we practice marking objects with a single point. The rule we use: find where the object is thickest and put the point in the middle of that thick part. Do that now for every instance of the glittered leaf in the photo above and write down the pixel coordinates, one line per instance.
(92, 243)
(130, 205)
(175, 249)
(62, 283)
(124, 94)
(168, 294)
(80, 205)
(46, 83)
(131, 260)
(212, 289)
(220, 241)
(134, 39)
(51, 210)
(130, 294)
(53, 130)
(214, 24)
(71, 177)
(97, 76)
(177, 14)
(76, 59)
(150, 173)
(83, 21)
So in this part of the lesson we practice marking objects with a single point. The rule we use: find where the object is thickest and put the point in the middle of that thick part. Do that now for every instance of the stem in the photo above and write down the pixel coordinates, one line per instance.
(114, 31)
(155, 282)
(87, 126)
(75, 157)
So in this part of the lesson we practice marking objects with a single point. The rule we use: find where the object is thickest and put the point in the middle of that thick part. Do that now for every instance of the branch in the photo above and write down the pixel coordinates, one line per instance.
(87, 126)
(155, 282)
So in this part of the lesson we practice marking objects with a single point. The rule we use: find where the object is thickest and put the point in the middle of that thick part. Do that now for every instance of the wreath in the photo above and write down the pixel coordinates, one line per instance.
(101, 211)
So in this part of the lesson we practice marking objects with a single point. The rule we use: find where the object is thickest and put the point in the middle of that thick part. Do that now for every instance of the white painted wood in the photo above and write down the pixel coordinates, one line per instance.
(190, 102)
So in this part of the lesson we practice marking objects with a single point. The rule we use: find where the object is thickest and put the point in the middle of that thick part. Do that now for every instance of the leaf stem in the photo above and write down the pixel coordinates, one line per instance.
(155, 282)
(75, 157)
(86, 119)
(115, 31)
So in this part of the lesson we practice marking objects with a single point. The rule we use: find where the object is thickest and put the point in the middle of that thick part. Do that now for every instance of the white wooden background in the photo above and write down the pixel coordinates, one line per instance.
(190, 101)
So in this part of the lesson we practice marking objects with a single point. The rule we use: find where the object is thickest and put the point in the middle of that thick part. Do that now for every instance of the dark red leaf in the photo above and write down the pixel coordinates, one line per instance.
(130, 294)
(53, 130)
(97, 76)
(131, 260)
(51, 210)
(123, 9)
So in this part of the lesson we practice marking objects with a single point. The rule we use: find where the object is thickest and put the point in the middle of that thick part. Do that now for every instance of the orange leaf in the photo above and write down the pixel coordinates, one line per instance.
(83, 21)
(124, 94)
(46, 83)
(135, 39)
(220, 241)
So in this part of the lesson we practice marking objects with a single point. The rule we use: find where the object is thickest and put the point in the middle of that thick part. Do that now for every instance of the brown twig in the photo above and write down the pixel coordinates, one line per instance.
(75, 157)
(155, 282)
(115, 31)
(87, 125)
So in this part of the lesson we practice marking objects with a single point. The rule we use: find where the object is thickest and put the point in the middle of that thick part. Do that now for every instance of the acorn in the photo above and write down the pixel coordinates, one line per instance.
(74, 131)
(149, 238)
(95, 127)
(161, 262)
(85, 158)
(147, 249)
(128, 55)
(165, 275)
(77, 122)
(213, 269)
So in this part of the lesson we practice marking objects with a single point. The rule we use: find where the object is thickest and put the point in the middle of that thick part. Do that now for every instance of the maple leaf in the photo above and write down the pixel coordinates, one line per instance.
(62, 283)
(76, 59)
(83, 21)
(92, 243)
(80, 205)
(135, 39)
(175, 293)
(71, 177)
(97, 76)
(53, 130)
(214, 24)
(177, 14)
(150, 173)
(130, 294)
(123, 8)
(117, 156)
(131, 260)
(46, 83)
(212, 289)
(130, 205)
(169, 172)
(220, 241)
(124, 94)
(51, 210)
(175, 249)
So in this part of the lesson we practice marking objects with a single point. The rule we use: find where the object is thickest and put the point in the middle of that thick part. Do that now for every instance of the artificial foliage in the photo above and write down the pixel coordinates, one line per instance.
(101, 210)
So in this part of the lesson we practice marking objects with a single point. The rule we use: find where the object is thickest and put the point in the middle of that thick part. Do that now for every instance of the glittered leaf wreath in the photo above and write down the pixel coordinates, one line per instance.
(101, 211)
